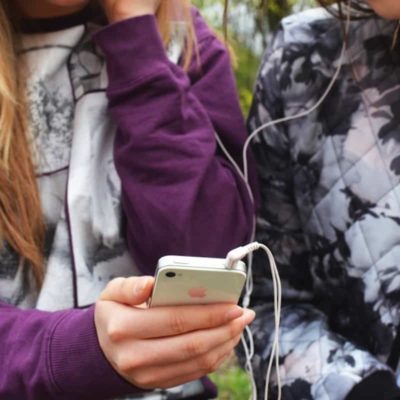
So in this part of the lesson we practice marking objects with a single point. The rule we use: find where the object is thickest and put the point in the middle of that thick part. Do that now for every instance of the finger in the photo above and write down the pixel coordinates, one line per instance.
(130, 291)
(175, 349)
(171, 321)
(178, 373)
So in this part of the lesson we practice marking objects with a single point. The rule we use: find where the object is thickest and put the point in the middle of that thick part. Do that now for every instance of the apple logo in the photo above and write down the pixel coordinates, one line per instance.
(197, 292)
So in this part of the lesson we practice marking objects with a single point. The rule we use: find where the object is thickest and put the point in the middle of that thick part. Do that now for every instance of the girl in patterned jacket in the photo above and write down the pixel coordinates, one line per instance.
(108, 161)
(330, 207)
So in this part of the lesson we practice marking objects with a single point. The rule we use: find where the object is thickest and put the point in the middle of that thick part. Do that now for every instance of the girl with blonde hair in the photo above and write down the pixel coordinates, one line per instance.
(108, 161)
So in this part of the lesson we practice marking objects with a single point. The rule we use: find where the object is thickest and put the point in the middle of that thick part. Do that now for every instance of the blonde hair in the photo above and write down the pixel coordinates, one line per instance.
(22, 224)
(170, 10)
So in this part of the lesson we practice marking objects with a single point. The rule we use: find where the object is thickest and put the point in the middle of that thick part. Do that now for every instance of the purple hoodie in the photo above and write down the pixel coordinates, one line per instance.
(180, 196)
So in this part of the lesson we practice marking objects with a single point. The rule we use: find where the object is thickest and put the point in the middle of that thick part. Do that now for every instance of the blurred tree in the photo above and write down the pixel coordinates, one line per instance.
(250, 24)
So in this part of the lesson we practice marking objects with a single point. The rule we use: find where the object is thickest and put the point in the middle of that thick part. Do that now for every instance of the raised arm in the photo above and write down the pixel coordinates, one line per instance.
(180, 195)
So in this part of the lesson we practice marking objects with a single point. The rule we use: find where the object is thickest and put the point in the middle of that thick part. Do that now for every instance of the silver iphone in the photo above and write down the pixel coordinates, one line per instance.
(196, 280)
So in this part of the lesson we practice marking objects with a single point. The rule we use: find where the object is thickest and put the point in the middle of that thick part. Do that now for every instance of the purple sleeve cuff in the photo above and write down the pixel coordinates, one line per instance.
(76, 362)
(133, 48)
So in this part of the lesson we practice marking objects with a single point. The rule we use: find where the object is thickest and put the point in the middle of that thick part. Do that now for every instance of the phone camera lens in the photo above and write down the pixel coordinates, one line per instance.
(170, 274)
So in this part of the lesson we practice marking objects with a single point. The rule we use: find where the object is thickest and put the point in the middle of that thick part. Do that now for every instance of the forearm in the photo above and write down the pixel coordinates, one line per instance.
(53, 355)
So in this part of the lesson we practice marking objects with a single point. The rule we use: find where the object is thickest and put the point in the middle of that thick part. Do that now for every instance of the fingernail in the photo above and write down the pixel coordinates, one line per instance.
(249, 316)
(234, 313)
(141, 284)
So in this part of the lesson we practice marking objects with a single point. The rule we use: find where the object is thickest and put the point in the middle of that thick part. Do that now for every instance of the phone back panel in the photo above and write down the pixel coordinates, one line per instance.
(178, 285)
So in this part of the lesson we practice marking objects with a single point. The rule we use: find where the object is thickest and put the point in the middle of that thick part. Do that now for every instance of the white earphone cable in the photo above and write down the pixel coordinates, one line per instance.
(239, 253)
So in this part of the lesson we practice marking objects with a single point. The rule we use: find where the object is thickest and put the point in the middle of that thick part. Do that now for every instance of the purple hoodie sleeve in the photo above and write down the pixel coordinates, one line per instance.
(54, 356)
(180, 196)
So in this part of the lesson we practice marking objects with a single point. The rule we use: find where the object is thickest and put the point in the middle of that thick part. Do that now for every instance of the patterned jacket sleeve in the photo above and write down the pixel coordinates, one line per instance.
(316, 363)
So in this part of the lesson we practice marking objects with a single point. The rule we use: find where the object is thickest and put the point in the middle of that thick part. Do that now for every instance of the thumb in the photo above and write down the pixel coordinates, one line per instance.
(131, 291)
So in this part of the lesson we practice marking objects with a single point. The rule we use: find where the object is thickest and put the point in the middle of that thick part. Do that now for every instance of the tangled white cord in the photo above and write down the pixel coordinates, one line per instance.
(232, 258)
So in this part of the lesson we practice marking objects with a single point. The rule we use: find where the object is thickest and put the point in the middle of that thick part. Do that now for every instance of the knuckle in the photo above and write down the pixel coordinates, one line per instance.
(177, 323)
(144, 380)
(234, 329)
(129, 283)
(236, 341)
(119, 283)
(123, 363)
(115, 332)
(212, 319)
(209, 363)
(112, 286)
(195, 348)
(99, 307)
(116, 282)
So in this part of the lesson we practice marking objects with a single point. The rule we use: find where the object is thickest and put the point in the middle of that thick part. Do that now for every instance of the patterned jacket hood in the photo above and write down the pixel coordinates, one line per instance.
(330, 202)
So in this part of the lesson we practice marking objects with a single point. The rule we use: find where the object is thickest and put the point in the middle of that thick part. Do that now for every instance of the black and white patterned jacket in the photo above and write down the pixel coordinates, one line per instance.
(330, 207)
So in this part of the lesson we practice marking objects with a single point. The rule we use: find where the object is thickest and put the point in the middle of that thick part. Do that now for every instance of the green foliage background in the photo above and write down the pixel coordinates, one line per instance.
(261, 17)
(250, 26)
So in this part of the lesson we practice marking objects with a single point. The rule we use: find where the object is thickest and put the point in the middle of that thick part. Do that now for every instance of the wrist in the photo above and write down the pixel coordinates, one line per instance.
(74, 352)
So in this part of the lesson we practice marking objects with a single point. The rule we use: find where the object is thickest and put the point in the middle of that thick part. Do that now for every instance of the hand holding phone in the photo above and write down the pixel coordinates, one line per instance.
(196, 280)
(161, 347)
